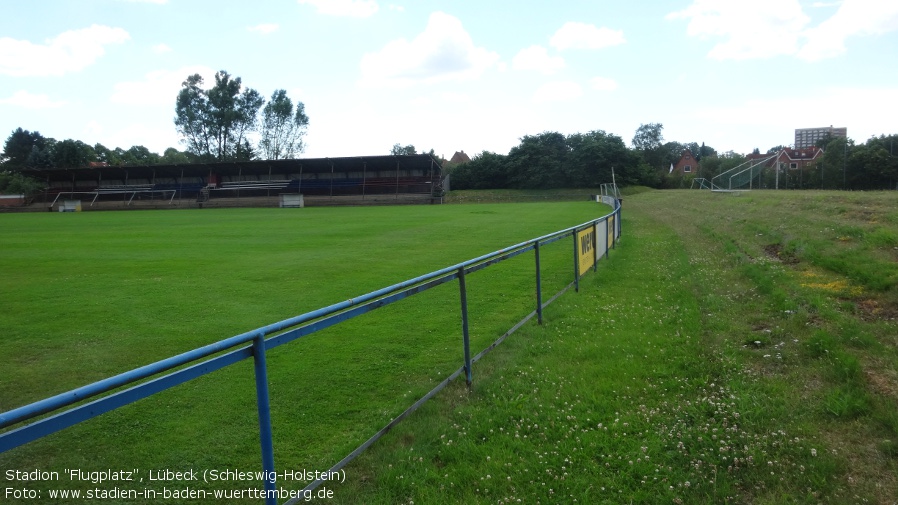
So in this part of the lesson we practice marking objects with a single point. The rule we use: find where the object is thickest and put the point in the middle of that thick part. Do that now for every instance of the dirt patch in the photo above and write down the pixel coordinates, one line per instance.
(865, 215)
(874, 310)
(882, 383)
(777, 253)
(760, 327)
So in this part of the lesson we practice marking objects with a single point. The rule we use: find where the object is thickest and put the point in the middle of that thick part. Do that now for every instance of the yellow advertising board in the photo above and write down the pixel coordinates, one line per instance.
(611, 229)
(586, 244)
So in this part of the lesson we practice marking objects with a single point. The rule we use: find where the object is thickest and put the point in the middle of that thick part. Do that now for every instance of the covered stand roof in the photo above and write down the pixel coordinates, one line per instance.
(422, 162)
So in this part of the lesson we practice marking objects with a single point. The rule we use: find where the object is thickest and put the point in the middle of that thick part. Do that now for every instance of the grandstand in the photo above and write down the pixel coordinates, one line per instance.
(371, 180)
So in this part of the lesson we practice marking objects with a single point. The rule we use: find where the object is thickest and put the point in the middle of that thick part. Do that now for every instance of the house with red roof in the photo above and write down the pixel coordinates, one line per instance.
(686, 165)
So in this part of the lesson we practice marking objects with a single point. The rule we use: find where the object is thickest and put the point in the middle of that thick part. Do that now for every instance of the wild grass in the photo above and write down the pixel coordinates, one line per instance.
(712, 359)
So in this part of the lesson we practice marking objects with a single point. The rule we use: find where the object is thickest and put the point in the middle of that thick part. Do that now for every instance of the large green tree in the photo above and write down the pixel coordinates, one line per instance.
(592, 157)
(139, 155)
(400, 150)
(106, 155)
(17, 184)
(283, 127)
(672, 152)
(834, 166)
(42, 154)
(649, 143)
(192, 118)
(172, 156)
(539, 161)
(70, 153)
(700, 151)
(486, 170)
(18, 148)
(214, 123)
(873, 165)
(715, 164)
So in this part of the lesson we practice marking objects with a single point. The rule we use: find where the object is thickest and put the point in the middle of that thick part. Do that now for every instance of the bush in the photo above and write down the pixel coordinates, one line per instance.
(12, 183)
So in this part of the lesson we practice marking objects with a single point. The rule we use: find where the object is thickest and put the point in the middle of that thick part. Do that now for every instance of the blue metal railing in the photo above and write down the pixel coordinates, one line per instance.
(254, 344)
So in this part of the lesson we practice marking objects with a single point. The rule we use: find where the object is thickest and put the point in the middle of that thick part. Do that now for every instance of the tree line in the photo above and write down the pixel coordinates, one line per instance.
(30, 150)
(579, 160)
(553, 160)
(585, 160)
(229, 122)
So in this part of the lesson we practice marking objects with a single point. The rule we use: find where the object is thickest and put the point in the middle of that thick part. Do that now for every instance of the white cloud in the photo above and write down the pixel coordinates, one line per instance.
(756, 29)
(603, 84)
(28, 100)
(854, 18)
(158, 88)
(575, 35)
(161, 49)
(768, 28)
(440, 100)
(264, 28)
(69, 52)
(558, 91)
(348, 8)
(456, 98)
(537, 58)
(443, 51)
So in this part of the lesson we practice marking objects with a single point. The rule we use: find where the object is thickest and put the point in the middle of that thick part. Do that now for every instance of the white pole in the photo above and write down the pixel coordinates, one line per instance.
(614, 183)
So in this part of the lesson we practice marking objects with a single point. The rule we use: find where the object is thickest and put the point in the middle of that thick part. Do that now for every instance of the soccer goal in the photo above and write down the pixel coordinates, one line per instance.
(609, 189)
(742, 176)
(701, 183)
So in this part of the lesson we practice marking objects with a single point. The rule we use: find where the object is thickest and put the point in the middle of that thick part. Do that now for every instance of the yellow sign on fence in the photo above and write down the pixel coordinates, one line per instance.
(586, 243)
(611, 232)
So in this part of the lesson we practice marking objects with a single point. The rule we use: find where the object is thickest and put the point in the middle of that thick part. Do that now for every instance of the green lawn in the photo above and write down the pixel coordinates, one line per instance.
(95, 294)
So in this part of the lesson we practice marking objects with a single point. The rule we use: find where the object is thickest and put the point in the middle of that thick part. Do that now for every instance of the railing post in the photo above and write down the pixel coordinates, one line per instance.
(607, 245)
(464, 324)
(539, 289)
(617, 219)
(264, 406)
(595, 250)
(576, 263)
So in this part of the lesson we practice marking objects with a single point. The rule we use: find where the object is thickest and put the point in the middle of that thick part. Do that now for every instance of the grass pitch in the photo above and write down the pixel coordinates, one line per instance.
(94, 294)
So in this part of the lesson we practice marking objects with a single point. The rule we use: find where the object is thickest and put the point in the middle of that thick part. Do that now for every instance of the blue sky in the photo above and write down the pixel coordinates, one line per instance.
(458, 75)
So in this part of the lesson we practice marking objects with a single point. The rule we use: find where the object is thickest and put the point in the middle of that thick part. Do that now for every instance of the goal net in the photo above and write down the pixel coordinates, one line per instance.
(742, 176)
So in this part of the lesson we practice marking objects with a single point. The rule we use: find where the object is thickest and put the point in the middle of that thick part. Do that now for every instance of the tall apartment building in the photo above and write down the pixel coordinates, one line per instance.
(808, 137)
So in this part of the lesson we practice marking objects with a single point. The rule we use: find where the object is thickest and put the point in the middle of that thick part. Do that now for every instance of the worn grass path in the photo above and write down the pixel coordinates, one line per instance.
(693, 367)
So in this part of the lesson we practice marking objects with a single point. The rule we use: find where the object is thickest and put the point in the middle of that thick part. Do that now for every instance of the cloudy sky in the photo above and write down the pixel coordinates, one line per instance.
(458, 75)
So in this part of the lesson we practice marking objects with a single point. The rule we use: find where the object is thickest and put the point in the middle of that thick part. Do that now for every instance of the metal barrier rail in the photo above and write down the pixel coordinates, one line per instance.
(254, 344)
